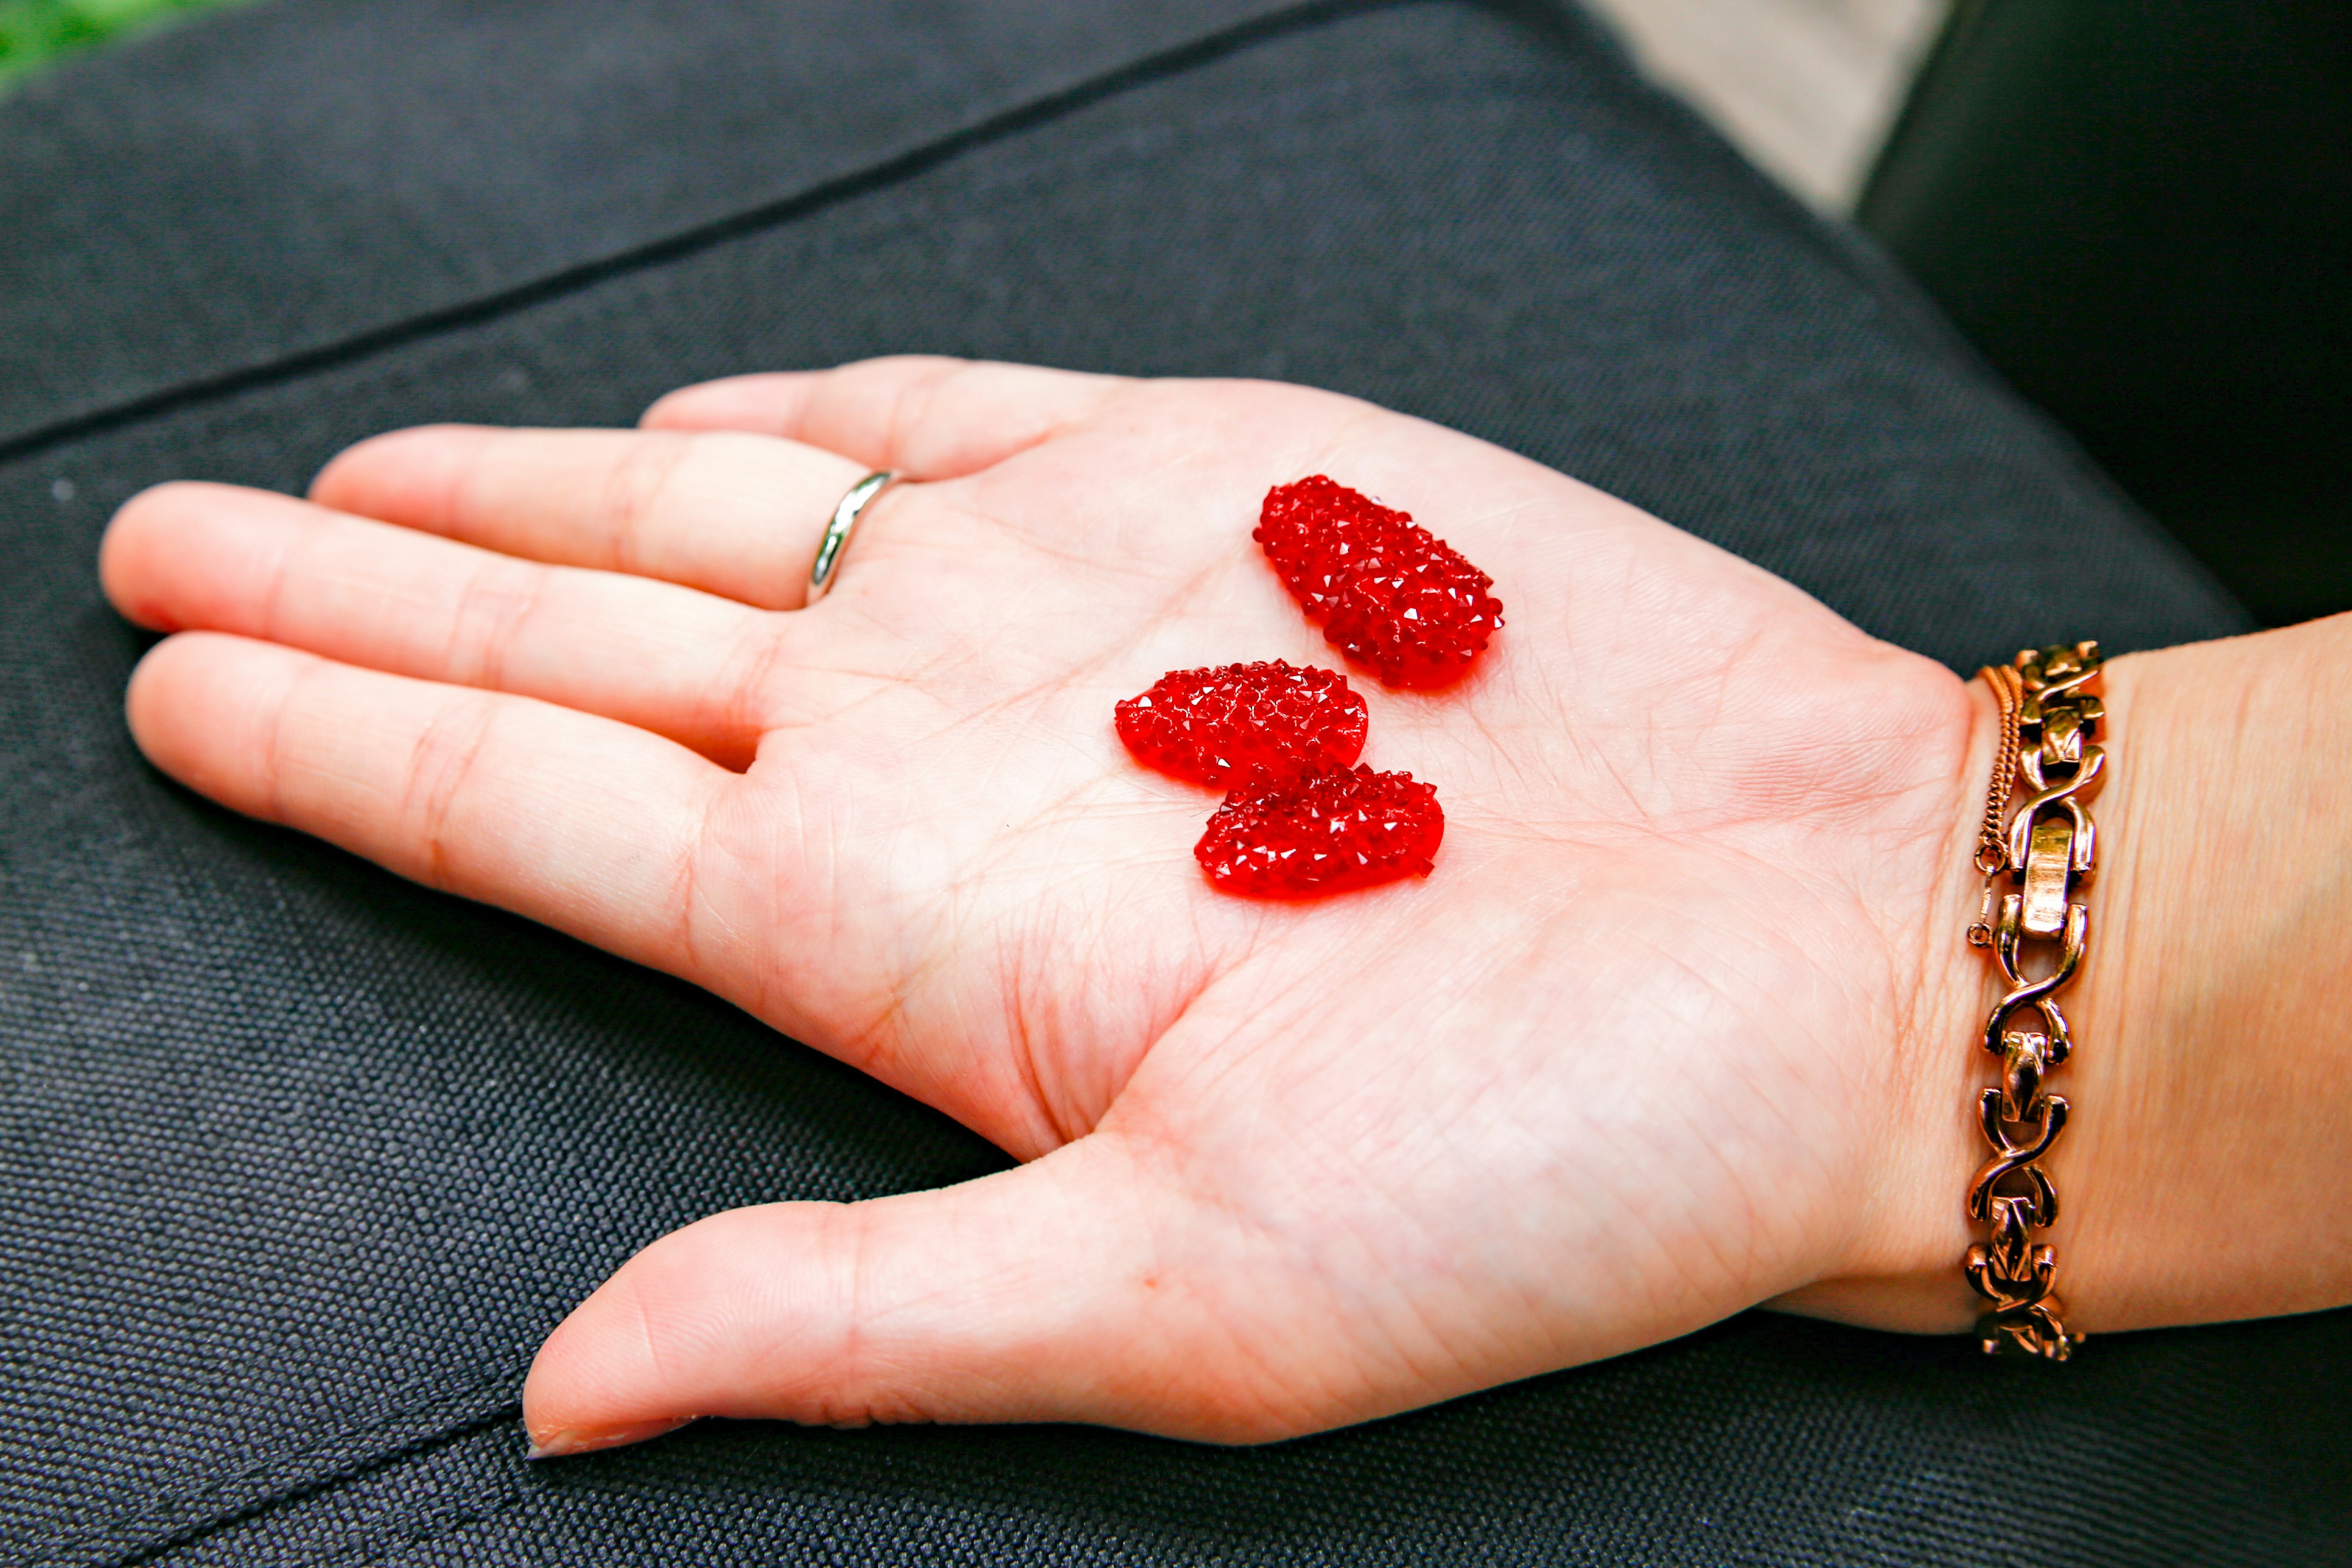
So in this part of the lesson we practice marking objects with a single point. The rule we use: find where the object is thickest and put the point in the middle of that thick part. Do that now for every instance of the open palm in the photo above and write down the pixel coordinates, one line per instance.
(1628, 1061)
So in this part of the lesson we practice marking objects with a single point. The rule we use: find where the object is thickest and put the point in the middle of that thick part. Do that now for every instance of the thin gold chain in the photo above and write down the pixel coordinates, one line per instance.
(2050, 725)
(1992, 836)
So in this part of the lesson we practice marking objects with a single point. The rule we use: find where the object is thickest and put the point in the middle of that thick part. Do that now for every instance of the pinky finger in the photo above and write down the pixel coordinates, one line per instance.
(925, 417)
(582, 823)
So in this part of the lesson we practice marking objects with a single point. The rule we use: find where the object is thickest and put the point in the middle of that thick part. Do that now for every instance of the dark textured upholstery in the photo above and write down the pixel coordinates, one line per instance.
(2178, 300)
(298, 1163)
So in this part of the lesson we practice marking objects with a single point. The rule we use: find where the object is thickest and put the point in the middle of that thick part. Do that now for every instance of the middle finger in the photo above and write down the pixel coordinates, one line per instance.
(705, 671)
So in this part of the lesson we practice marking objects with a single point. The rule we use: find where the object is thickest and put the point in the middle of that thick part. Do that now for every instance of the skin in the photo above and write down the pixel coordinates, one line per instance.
(1680, 1023)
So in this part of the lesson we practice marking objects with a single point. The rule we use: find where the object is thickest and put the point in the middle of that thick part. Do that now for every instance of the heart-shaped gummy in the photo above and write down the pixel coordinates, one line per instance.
(1386, 591)
(1212, 726)
(1321, 833)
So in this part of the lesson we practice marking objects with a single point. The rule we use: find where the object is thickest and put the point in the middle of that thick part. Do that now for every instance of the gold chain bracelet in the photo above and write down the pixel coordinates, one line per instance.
(2049, 733)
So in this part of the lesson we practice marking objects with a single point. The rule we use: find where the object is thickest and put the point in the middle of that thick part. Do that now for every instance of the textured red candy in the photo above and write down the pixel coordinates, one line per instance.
(1318, 533)
(1213, 726)
(1325, 832)
(1387, 592)
(1420, 621)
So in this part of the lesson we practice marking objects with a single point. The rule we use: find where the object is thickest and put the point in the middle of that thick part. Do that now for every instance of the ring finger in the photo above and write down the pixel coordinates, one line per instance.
(731, 514)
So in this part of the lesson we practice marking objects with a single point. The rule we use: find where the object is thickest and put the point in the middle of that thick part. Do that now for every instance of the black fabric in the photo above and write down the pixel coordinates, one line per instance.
(298, 1163)
(294, 177)
(2141, 212)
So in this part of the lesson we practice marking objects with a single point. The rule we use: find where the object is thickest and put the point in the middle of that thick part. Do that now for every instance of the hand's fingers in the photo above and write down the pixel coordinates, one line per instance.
(1071, 1289)
(926, 417)
(585, 825)
(216, 558)
(731, 514)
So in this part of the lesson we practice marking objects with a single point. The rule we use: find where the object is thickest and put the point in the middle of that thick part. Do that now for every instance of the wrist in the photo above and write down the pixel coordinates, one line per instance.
(2201, 1175)
(2213, 1184)
(1902, 1269)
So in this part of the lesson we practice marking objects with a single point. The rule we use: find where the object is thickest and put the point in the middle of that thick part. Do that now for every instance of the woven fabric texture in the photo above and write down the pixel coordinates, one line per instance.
(298, 1163)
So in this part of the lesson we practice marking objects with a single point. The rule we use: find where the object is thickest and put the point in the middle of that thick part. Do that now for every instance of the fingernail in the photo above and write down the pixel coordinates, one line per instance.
(557, 1442)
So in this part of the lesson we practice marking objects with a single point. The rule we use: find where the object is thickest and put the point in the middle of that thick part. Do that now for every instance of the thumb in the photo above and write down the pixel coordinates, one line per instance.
(1049, 1292)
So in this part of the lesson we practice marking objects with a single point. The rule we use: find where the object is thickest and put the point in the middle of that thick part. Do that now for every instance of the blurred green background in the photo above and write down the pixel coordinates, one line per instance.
(35, 32)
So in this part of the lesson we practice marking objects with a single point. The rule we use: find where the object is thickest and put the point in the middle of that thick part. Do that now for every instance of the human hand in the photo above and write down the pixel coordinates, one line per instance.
(1645, 1049)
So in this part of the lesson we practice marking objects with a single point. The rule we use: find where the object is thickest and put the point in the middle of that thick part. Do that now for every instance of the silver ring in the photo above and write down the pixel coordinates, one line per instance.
(836, 533)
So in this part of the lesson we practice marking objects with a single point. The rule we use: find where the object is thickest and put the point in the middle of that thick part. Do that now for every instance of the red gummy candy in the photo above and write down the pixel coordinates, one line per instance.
(1212, 726)
(1386, 591)
(1419, 622)
(1317, 533)
(1326, 831)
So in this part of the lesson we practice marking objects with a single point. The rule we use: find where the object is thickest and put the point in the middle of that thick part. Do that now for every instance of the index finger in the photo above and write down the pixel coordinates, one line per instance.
(575, 821)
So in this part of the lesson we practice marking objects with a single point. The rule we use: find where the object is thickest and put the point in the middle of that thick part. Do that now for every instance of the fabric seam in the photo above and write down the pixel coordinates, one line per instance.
(696, 239)
(155, 1515)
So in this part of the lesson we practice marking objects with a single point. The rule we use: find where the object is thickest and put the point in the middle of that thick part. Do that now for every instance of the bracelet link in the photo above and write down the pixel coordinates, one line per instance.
(2049, 875)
